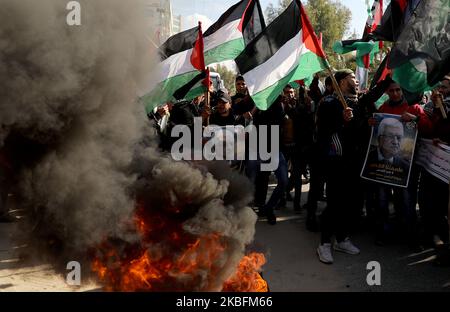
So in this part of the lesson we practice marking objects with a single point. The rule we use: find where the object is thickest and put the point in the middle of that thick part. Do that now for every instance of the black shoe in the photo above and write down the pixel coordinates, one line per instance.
(271, 219)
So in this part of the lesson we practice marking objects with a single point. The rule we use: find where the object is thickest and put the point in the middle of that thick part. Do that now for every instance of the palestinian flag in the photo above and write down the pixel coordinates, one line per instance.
(392, 22)
(374, 19)
(382, 73)
(181, 61)
(365, 50)
(420, 56)
(286, 50)
(362, 48)
(177, 77)
(193, 88)
(227, 37)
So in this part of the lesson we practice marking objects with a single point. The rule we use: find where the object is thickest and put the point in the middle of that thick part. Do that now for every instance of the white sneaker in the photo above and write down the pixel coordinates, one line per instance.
(346, 246)
(324, 253)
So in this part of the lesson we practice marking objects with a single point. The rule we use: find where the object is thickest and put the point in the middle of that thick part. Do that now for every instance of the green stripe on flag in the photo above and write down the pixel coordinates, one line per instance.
(411, 78)
(308, 65)
(226, 51)
(163, 92)
(362, 48)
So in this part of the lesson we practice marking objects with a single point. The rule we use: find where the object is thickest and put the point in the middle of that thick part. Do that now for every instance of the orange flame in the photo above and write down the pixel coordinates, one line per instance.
(169, 259)
(247, 278)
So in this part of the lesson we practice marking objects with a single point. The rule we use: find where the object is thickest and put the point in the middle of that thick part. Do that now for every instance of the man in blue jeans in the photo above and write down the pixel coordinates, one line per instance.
(260, 180)
(272, 117)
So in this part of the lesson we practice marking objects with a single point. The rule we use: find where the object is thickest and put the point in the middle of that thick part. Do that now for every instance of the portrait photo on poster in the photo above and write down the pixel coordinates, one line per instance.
(390, 152)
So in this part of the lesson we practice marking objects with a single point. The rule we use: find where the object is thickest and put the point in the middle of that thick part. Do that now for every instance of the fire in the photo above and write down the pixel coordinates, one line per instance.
(247, 278)
(169, 259)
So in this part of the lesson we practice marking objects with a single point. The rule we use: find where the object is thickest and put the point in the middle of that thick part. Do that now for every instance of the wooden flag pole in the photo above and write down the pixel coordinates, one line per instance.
(207, 96)
(441, 107)
(207, 105)
(337, 89)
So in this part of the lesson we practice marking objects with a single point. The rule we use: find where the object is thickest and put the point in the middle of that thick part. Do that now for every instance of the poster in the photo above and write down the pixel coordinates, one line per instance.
(390, 152)
(434, 158)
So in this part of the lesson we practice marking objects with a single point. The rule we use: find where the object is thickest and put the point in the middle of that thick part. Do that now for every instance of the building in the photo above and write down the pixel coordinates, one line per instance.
(161, 23)
(177, 25)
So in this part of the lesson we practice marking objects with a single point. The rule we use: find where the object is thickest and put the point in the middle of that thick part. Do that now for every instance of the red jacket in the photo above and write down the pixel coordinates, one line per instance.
(425, 125)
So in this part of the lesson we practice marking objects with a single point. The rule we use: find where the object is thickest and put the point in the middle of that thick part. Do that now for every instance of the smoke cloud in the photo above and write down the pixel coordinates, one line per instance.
(71, 90)
(78, 141)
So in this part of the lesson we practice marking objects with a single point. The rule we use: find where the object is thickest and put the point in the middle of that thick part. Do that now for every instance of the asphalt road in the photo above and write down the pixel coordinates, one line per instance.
(292, 264)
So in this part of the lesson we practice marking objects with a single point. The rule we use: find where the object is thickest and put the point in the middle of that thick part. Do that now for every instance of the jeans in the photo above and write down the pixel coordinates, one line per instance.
(281, 173)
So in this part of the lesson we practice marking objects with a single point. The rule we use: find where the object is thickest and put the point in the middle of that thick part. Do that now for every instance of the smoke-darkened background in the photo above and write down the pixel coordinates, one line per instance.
(68, 112)
(77, 141)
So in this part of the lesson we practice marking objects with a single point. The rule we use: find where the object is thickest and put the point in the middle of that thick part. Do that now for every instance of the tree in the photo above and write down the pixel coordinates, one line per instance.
(272, 12)
(228, 76)
(331, 18)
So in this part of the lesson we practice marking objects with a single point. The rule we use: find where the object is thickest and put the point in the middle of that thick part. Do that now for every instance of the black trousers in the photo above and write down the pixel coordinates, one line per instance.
(335, 217)
(433, 203)
(316, 181)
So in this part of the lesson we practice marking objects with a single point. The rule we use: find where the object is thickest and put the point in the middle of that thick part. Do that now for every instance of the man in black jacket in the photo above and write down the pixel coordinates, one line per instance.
(342, 136)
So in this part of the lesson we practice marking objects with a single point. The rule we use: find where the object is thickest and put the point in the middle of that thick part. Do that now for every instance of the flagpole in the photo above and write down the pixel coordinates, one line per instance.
(306, 23)
(336, 87)
(441, 107)
(207, 104)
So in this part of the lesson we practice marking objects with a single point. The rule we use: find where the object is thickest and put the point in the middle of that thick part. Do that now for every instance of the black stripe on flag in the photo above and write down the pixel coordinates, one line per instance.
(271, 39)
(177, 43)
(253, 20)
(433, 46)
(180, 93)
(232, 14)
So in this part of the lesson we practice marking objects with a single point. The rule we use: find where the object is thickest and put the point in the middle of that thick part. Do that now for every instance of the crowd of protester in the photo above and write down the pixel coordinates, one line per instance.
(324, 144)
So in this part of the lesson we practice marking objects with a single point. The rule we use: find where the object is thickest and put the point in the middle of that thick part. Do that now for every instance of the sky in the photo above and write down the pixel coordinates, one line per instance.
(208, 11)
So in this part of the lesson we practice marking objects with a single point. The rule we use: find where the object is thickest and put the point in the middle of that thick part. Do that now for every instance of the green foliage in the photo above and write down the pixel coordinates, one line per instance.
(272, 12)
(331, 18)
(228, 76)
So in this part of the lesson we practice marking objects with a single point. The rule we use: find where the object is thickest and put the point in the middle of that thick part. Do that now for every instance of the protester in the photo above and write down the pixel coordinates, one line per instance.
(242, 104)
(405, 199)
(223, 114)
(341, 139)
(336, 125)
(433, 192)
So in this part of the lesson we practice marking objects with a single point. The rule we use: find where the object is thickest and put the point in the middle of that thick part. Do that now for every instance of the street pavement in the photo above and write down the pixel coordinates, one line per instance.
(292, 264)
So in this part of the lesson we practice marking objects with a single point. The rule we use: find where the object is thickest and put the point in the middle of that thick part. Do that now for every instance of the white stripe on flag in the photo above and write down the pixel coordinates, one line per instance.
(175, 65)
(361, 76)
(227, 33)
(277, 67)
